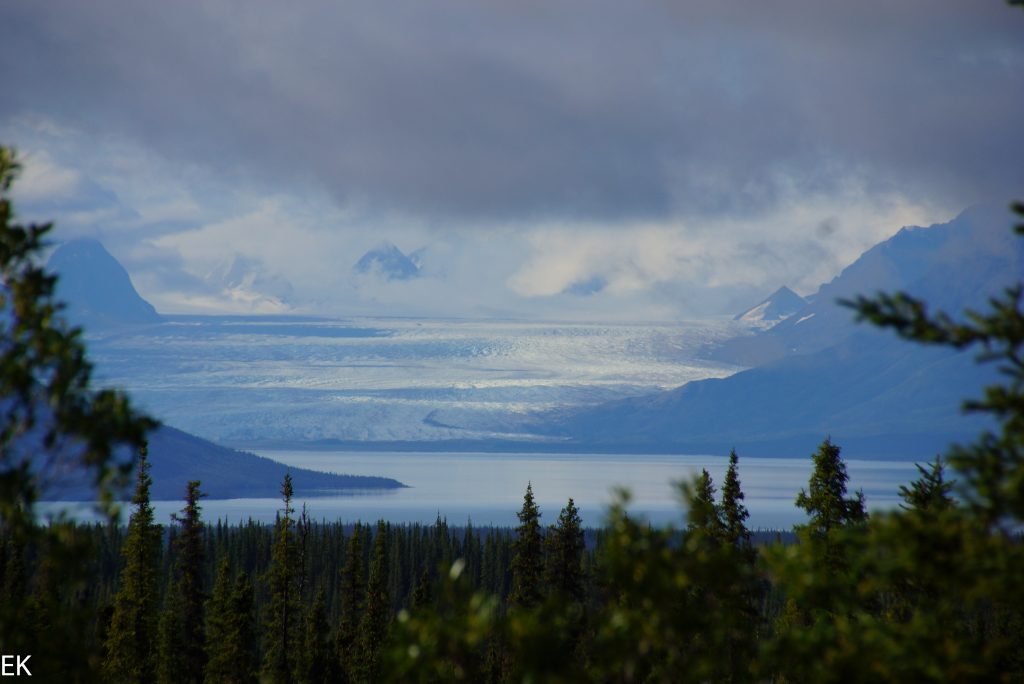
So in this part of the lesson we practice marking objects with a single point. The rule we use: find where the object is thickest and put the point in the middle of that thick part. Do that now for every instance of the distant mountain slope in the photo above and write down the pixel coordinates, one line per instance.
(387, 261)
(779, 305)
(96, 287)
(178, 457)
(952, 265)
(819, 373)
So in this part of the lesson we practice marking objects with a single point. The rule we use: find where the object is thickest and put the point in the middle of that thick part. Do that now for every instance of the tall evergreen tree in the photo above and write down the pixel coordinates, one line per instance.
(230, 630)
(283, 579)
(422, 594)
(131, 639)
(352, 592)
(302, 549)
(825, 499)
(828, 508)
(182, 638)
(564, 564)
(528, 554)
(733, 513)
(316, 666)
(703, 514)
(930, 493)
(170, 647)
(218, 619)
(373, 627)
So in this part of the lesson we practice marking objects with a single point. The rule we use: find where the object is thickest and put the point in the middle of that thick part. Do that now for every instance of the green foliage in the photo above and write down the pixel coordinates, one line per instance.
(376, 619)
(317, 664)
(825, 499)
(528, 558)
(702, 513)
(131, 639)
(182, 639)
(230, 630)
(563, 572)
(733, 513)
(445, 642)
(677, 608)
(352, 592)
(931, 493)
(283, 579)
(170, 646)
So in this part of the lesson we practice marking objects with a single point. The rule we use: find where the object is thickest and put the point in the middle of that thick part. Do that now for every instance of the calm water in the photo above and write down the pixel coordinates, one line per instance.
(488, 488)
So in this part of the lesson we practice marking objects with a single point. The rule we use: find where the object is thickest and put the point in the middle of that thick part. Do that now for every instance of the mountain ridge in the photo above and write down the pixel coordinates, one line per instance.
(176, 457)
(819, 372)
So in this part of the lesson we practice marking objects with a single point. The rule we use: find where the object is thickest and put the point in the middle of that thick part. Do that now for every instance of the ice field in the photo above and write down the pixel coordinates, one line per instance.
(253, 379)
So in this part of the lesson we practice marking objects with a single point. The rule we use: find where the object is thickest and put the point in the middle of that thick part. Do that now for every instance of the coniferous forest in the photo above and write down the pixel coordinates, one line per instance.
(932, 591)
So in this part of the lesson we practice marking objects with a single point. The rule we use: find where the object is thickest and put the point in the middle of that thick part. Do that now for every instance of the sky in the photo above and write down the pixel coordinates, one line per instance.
(553, 159)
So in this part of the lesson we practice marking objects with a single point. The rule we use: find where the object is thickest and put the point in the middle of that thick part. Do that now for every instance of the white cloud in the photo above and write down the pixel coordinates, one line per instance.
(42, 178)
(804, 242)
(194, 241)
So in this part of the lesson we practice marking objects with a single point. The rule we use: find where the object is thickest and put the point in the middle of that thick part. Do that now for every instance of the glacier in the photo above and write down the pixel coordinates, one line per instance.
(286, 379)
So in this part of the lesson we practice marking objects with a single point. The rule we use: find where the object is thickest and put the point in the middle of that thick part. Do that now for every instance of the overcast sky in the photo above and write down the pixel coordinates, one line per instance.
(553, 158)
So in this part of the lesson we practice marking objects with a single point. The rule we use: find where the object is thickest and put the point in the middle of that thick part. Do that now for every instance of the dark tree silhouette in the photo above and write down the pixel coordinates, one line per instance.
(528, 554)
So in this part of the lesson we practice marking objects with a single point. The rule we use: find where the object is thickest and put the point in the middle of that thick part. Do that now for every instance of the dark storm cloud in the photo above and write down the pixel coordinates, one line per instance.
(469, 111)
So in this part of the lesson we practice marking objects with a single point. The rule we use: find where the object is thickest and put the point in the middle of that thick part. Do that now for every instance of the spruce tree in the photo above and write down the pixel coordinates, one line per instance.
(564, 565)
(170, 646)
(302, 549)
(931, 493)
(230, 630)
(528, 555)
(182, 638)
(421, 595)
(733, 513)
(218, 620)
(283, 581)
(829, 510)
(316, 666)
(131, 639)
(373, 627)
(703, 514)
(352, 592)
(825, 499)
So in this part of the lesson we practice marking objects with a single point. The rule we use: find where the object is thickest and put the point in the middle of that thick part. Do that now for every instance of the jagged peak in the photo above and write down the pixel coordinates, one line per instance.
(777, 306)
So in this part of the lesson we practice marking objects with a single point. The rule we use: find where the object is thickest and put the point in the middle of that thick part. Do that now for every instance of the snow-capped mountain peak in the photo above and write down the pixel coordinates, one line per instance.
(778, 306)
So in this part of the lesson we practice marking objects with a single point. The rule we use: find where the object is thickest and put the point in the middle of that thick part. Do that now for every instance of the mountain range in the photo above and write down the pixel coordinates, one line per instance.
(819, 372)
(100, 296)
(177, 457)
(812, 370)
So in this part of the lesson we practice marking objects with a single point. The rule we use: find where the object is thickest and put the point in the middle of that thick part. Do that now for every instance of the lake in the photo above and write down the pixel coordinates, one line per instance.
(488, 488)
